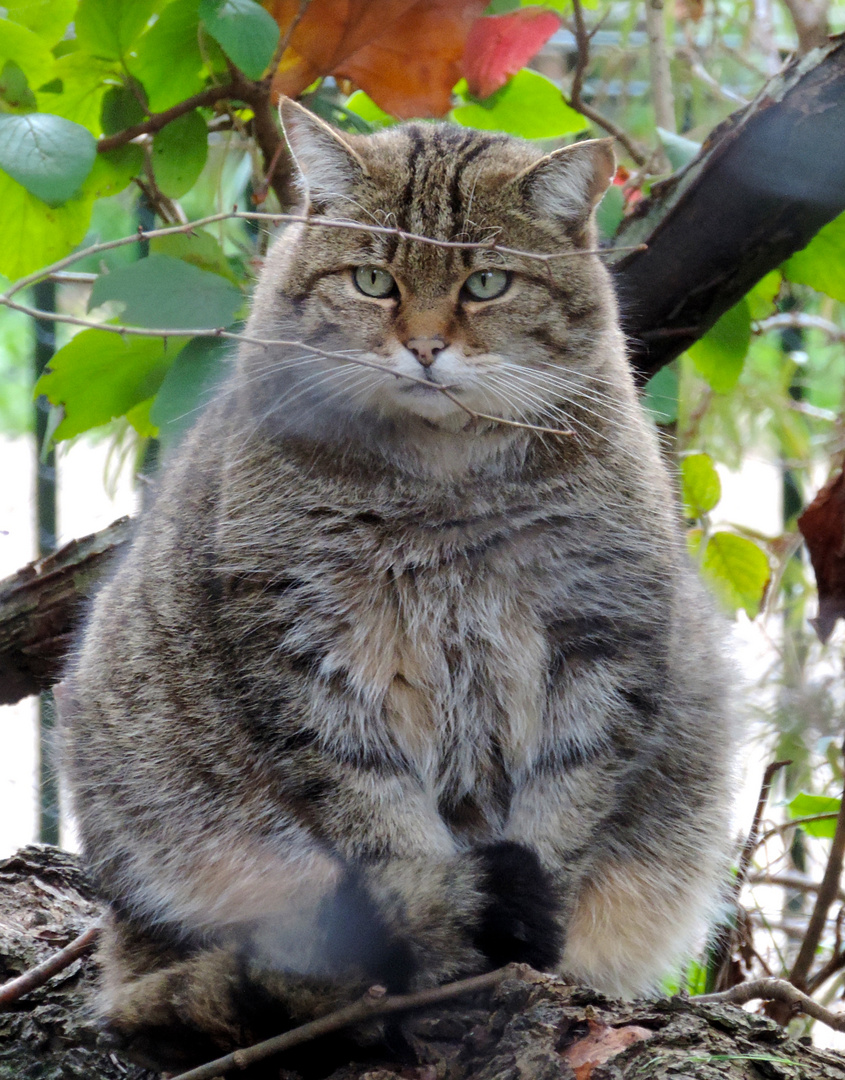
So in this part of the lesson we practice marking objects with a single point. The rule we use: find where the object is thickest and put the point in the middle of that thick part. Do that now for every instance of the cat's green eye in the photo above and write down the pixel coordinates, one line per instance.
(373, 281)
(487, 284)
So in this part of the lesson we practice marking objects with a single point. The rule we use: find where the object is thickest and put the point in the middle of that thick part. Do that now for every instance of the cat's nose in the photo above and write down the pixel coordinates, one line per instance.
(426, 349)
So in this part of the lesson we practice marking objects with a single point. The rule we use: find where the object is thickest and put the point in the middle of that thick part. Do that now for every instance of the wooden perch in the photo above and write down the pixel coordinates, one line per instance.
(765, 181)
(40, 607)
(527, 1025)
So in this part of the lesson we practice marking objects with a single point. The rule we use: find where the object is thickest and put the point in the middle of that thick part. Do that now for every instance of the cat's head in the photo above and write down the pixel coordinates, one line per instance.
(505, 333)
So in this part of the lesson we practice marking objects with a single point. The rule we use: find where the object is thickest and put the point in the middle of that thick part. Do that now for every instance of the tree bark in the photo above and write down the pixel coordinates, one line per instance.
(531, 1026)
(41, 605)
(764, 183)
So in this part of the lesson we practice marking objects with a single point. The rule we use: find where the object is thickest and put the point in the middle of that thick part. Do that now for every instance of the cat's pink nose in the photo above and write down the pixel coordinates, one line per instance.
(426, 349)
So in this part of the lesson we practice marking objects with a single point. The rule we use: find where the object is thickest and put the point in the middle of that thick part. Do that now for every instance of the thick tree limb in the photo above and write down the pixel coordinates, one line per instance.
(528, 1025)
(40, 606)
(764, 183)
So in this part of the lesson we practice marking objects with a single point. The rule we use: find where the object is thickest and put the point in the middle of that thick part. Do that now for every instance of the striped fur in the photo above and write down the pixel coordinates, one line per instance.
(383, 691)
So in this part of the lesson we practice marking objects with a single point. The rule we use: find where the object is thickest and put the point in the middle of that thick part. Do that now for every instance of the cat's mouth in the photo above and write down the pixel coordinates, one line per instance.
(430, 386)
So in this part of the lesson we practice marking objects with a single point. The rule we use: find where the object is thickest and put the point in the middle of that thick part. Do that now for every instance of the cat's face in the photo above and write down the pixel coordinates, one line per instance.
(503, 333)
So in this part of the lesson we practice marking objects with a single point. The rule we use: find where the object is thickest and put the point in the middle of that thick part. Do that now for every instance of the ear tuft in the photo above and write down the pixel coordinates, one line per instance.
(329, 166)
(569, 182)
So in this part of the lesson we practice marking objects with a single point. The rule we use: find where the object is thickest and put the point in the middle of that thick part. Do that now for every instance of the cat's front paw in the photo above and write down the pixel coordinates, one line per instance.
(520, 920)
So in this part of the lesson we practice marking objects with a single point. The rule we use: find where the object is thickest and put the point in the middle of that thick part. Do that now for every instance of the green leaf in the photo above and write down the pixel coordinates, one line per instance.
(189, 386)
(83, 83)
(33, 234)
(120, 109)
(179, 154)
(99, 375)
(700, 485)
(199, 248)
(610, 211)
(761, 299)
(47, 18)
(678, 150)
(720, 354)
(244, 30)
(660, 395)
(821, 264)
(529, 105)
(113, 170)
(167, 60)
(48, 155)
(364, 106)
(737, 569)
(164, 292)
(109, 28)
(805, 805)
(14, 89)
(28, 51)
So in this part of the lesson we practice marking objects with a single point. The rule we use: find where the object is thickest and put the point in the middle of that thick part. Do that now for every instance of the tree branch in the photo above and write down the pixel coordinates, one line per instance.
(764, 183)
(576, 100)
(774, 990)
(826, 895)
(374, 1003)
(14, 989)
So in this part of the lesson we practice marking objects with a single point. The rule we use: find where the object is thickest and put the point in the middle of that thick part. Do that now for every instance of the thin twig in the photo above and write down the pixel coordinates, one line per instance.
(826, 896)
(774, 990)
(752, 841)
(156, 121)
(724, 944)
(790, 881)
(776, 830)
(284, 41)
(299, 219)
(576, 99)
(661, 75)
(30, 980)
(230, 335)
(801, 320)
(372, 1004)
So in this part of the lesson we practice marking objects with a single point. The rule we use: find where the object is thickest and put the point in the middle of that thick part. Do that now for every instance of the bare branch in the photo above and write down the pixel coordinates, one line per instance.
(786, 825)
(826, 896)
(372, 1004)
(156, 121)
(752, 841)
(774, 990)
(790, 881)
(801, 320)
(14, 989)
(576, 99)
(301, 219)
(661, 76)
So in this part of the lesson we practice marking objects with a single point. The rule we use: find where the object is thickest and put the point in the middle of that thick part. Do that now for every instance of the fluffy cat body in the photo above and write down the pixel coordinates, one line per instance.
(384, 691)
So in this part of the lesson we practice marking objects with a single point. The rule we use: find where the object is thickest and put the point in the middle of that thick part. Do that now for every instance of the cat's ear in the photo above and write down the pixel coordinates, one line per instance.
(569, 182)
(328, 165)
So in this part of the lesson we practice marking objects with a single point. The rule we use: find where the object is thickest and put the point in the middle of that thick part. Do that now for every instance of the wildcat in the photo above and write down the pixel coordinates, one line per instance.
(389, 689)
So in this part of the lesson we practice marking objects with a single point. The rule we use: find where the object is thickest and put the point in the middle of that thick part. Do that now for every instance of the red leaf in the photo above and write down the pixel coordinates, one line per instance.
(499, 45)
(823, 527)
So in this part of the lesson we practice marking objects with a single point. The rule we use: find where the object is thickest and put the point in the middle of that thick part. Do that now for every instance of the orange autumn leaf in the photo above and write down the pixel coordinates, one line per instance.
(406, 54)
(600, 1044)
(498, 46)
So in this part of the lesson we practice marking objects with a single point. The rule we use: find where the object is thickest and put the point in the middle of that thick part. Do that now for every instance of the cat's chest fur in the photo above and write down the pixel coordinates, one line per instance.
(420, 641)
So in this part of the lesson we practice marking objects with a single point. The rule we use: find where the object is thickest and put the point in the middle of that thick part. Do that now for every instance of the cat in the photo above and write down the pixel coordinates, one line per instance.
(406, 675)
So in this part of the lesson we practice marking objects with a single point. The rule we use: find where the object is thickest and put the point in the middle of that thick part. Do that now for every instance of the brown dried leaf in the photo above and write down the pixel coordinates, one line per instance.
(823, 527)
(406, 54)
(600, 1045)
